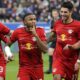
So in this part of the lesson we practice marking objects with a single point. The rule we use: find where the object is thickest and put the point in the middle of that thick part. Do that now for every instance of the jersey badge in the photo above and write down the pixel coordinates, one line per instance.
(70, 31)
(33, 38)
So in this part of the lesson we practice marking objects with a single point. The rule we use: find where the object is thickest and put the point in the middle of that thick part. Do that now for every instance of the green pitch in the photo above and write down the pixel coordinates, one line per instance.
(12, 69)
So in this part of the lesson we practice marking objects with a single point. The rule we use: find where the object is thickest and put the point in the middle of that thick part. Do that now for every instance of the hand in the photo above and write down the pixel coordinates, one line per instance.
(6, 58)
(66, 47)
(33, 30)
(9, 58)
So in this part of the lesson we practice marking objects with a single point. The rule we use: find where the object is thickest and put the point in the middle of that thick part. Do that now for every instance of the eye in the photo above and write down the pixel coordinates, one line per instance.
(30, 19)
(63, 11)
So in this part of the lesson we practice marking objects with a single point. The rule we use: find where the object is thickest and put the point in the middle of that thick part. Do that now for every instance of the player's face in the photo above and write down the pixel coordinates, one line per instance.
(30, 21)
(65, 13)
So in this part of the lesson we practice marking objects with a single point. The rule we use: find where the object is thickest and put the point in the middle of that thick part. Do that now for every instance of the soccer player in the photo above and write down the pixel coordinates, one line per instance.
(3, 31)
(76, 68)
(31, 42)
(67, 31)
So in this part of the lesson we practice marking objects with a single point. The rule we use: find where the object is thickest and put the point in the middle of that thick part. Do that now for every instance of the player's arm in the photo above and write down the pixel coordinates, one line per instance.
(41, 44)
(75, 46)
(6, 48)
(51, 37)
(4, 29)
(11, 40)
(7, 45)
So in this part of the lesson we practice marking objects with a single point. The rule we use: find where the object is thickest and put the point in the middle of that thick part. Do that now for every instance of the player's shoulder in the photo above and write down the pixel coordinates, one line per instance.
(39, 28)
(76, 24)
(2, 25)
(19, 29)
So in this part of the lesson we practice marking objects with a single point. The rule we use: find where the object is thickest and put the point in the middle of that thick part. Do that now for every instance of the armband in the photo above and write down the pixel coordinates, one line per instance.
(8, 51)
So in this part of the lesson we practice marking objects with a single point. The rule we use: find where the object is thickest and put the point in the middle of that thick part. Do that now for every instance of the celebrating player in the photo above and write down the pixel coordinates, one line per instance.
(32, 42)
(68, 32)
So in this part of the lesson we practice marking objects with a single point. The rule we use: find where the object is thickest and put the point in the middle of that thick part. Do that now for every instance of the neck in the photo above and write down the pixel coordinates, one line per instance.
(68, 21)
(27, 29)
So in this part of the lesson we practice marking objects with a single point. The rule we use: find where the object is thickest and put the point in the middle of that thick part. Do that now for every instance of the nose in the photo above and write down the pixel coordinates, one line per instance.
(34, 22)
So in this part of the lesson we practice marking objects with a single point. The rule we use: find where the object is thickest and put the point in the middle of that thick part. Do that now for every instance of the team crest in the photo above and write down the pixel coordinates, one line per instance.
(70, 31)
(33, 38)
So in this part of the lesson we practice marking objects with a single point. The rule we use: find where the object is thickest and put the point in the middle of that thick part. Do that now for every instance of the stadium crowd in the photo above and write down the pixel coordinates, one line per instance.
(13, 10)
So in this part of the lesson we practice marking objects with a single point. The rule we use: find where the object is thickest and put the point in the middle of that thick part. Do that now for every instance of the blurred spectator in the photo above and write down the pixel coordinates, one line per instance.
(13, 10)
(52, 42)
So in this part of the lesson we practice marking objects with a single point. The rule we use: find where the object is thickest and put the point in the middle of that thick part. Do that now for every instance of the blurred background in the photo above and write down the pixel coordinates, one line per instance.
(13, 10)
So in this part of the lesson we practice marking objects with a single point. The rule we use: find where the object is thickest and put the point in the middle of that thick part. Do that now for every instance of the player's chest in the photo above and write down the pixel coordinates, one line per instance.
(26, 38)
(66, 30)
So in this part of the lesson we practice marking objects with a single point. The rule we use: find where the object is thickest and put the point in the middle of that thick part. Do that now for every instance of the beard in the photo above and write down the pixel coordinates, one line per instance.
(29, 27)
(65, 19)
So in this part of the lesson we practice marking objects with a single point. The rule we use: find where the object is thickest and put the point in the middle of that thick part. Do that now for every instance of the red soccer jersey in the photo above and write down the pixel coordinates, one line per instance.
(3, 31)
(4, 38)
(66, 34)
(29, 53)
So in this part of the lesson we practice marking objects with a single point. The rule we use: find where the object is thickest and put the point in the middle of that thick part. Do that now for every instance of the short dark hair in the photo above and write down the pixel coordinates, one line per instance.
(27, 14)
(68, 5)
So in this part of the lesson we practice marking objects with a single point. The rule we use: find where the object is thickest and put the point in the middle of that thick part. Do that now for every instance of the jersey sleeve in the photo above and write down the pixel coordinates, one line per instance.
(3, 29)
(13, 37)
(4, 38)
(42, 34)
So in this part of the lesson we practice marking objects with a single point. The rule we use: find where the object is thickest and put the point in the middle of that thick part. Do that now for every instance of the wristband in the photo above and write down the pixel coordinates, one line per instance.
(8, 51)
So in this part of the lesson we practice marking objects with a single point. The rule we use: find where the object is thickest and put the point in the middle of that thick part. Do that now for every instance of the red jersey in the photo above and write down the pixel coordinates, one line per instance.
(3, 31)
(29, 52)
(4, 38)
(66, 34)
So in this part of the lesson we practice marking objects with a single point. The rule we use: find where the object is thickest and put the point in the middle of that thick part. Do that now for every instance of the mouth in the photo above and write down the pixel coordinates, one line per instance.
(64, 17)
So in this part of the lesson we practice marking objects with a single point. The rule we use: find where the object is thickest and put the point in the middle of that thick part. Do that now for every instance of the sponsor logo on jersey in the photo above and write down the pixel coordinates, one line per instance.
(63, 37)
(28, 46)
(70, 31)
